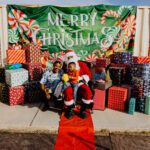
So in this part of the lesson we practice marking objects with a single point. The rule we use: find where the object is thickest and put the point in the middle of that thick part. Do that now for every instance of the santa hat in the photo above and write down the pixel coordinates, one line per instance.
(70, 53)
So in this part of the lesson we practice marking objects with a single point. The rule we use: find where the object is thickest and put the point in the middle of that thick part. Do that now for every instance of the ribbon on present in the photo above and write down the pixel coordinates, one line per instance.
(15, 47)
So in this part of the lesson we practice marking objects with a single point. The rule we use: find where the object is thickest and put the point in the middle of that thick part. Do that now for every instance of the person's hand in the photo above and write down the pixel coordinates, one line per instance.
(70, 77)
(47, 90)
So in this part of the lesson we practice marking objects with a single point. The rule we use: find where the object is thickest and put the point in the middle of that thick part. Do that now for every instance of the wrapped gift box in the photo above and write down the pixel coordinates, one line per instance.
(140, 104)
(141, 59)
(16, 56)
(117, 97)
(35, 71)
(32, 91)
(123, 57)
(99, 99)
(16, 77)
(4, 95)
(33, 53)
(140, 87)
(103, 85)
(102, 62)
(16, 95)
(147, 105)
(2, 75)
(117, 75)
(131, 106)
(126, 73)
(140, 70)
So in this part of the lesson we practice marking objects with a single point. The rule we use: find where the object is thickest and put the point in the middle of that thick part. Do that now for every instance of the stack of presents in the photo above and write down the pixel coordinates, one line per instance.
(126, 86)
(19, 79)
(121, 83)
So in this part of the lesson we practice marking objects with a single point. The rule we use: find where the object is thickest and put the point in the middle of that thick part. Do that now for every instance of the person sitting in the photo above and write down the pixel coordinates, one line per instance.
(49, 82)
(84, 91)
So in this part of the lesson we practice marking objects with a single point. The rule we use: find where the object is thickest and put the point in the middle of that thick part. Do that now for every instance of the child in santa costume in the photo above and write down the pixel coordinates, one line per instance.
(83, 88)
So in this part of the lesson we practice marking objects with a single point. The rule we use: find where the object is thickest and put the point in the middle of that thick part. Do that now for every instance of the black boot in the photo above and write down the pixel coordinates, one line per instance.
(91, 107)
(83, 113)
(45, 101)
(69, 112)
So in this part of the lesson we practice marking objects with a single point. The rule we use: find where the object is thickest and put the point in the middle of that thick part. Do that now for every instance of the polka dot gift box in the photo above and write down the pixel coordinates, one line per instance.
(16, 95)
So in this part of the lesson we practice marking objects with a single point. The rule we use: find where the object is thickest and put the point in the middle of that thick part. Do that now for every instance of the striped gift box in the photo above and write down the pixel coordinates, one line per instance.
(141, 59)
(16, 56)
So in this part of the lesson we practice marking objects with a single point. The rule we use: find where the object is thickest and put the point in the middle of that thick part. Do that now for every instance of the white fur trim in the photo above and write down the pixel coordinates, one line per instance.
(79, 84)
(70, 54)
(68, 103)
(87, 101)
(86, 78)
(80, 78)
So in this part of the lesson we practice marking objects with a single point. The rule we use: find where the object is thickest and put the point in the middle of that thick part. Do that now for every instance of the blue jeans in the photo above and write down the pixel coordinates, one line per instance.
(75, 88)
(52, 85)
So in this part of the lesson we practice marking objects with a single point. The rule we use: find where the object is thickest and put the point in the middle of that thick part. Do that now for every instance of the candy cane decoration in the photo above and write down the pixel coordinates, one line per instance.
(122, 8)
(108, 13)
(91, 58)
(32, 28)
(17, 20)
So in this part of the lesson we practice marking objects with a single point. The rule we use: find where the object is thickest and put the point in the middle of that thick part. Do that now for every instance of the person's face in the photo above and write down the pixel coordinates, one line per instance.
(70, 57)
(71, 67)
(56, 67)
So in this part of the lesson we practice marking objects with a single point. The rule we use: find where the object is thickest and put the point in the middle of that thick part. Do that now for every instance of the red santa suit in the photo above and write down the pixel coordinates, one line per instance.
(83, 88)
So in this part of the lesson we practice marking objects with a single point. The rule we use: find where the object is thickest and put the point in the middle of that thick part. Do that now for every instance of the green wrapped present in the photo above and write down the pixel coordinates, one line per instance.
(131, 106)
(147, 105)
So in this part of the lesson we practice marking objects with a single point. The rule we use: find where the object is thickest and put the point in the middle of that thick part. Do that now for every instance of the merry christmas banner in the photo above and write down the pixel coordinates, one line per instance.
(91, 31)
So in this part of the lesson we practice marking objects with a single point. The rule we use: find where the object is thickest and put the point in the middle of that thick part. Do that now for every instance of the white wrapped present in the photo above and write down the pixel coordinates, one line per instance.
(16, 77)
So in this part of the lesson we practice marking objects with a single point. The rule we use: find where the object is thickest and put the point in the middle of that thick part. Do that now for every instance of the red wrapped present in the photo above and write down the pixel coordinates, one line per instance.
(33, 53)
(35, 71)
(99, 99)
(16, 95)
(102, 62)
(141, 59)
(16, 56)
(117, 97)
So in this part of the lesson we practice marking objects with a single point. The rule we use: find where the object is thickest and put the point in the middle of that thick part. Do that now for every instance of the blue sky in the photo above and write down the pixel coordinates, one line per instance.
(78, 2)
